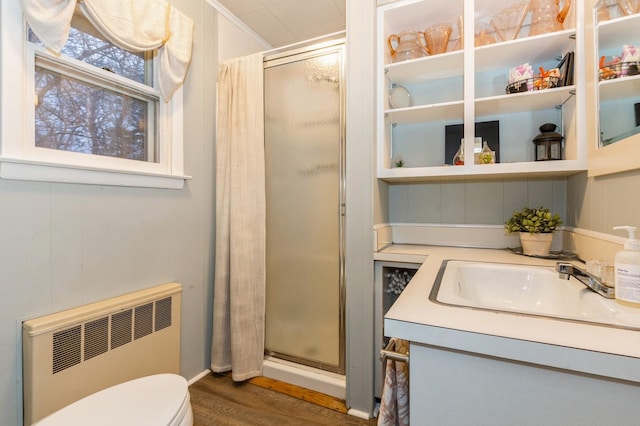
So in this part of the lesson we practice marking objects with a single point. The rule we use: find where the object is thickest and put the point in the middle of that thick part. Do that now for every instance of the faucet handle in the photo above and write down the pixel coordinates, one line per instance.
(602, 269)
(564, 267)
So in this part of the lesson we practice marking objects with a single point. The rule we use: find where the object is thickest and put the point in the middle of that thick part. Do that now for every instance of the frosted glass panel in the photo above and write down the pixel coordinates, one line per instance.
(303, 157)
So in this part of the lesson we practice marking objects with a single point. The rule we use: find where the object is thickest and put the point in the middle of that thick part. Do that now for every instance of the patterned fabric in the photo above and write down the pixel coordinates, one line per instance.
(394, 405)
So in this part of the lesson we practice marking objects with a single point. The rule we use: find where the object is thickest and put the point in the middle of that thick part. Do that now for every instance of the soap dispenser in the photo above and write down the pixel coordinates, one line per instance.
(627, 270)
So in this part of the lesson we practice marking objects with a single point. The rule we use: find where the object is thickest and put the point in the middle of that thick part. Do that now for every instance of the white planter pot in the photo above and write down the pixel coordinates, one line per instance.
(536, 244)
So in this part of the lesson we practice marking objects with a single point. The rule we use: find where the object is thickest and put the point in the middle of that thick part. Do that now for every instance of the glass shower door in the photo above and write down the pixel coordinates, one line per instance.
(304, 156)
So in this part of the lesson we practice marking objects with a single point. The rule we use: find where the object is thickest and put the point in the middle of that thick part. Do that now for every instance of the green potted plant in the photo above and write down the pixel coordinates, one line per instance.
(536, 227)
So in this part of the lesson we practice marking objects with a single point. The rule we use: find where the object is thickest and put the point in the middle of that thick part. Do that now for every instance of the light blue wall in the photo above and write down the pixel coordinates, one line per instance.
(477, 202)
(64, 245)
(603, 202)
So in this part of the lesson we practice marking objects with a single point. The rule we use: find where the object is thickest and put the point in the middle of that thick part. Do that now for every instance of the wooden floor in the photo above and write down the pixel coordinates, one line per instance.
(217, 400)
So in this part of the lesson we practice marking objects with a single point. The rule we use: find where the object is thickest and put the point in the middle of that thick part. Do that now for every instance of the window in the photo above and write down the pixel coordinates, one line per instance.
(96, 114)
(79, 112)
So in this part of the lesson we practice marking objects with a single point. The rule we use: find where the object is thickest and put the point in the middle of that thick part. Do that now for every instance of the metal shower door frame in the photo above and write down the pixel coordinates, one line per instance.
(294, 55)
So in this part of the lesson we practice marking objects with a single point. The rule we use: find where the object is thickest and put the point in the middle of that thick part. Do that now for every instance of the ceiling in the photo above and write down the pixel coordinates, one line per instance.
(284, 22)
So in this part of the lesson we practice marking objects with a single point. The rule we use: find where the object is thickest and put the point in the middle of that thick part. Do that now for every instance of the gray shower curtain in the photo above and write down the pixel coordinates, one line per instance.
(239, 287)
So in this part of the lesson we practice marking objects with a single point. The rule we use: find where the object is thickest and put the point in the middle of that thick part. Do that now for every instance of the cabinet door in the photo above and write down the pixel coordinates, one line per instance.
(616, 40)
(452, 387)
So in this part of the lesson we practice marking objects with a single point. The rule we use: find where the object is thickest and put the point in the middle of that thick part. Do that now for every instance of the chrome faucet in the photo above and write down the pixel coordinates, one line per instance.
(567, 270)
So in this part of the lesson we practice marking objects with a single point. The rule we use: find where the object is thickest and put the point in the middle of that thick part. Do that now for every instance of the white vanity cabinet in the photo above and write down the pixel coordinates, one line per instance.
(456, 387)
(467, 86)
(476, 366)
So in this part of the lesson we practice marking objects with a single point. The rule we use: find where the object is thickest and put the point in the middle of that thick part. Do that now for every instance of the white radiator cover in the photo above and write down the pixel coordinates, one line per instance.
(74, 353)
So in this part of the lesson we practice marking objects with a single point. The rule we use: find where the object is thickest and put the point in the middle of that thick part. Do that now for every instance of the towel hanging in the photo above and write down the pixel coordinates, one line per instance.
(394, 404)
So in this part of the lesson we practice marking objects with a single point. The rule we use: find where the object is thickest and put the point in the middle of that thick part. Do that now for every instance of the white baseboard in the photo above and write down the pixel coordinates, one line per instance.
(453, 235)
(358, 413)
(198, 377)
(590, 245)
(382, 236)
(585, 243)
(486, 236)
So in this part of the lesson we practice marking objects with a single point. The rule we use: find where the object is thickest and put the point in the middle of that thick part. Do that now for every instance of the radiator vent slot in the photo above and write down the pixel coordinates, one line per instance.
(66, 349)
(163, 313)
(121, 328)
(96, 337)
(73, 353)
(126, 326)
(144, 321)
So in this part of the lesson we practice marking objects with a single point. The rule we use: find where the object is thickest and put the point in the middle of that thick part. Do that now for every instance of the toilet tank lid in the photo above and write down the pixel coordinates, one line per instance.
(151, 400)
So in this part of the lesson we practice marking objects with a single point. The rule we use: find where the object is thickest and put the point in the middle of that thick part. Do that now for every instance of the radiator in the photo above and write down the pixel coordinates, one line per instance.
(71, 354)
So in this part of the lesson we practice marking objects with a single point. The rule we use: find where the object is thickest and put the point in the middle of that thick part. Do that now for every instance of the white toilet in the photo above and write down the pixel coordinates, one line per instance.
(157, 400)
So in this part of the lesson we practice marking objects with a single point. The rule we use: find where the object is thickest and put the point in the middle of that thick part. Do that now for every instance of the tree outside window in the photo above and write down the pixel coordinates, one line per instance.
(95, 114)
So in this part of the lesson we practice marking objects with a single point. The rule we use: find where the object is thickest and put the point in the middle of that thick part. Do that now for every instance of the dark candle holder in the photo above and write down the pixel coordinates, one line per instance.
(548, 143)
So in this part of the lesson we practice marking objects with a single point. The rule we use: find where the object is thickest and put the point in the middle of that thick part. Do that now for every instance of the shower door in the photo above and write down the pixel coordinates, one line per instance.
(304, 133)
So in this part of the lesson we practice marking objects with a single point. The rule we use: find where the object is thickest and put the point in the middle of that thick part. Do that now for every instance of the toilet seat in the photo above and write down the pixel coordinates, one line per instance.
(161, 399)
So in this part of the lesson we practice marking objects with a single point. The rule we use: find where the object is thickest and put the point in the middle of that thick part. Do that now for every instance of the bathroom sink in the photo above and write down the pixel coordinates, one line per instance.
(526, 290)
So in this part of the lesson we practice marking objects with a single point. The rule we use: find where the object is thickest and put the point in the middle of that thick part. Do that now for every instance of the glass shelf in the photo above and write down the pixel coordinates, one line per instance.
(526, 101)
(619, 88)
(429, 68)
(615, 32)
(536, 49)
(434, 112)
(484, 171)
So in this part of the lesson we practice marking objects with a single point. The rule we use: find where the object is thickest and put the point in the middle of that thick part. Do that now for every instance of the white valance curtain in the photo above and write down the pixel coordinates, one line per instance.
(239, 287)
(134, 25)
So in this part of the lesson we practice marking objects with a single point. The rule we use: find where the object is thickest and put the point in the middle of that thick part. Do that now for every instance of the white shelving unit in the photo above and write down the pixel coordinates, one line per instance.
(468, 86)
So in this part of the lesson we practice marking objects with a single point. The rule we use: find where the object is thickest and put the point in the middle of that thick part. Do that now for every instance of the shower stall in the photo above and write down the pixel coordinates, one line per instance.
(304, 158)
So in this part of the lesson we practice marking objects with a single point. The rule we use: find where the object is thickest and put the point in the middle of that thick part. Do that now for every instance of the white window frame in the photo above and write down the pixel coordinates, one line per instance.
(21, 159)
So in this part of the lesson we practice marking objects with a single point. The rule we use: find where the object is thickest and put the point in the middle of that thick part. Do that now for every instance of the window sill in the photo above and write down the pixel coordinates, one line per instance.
(16, 169)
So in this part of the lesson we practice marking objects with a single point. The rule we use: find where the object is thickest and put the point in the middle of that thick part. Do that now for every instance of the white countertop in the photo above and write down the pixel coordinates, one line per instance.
(571, 345)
